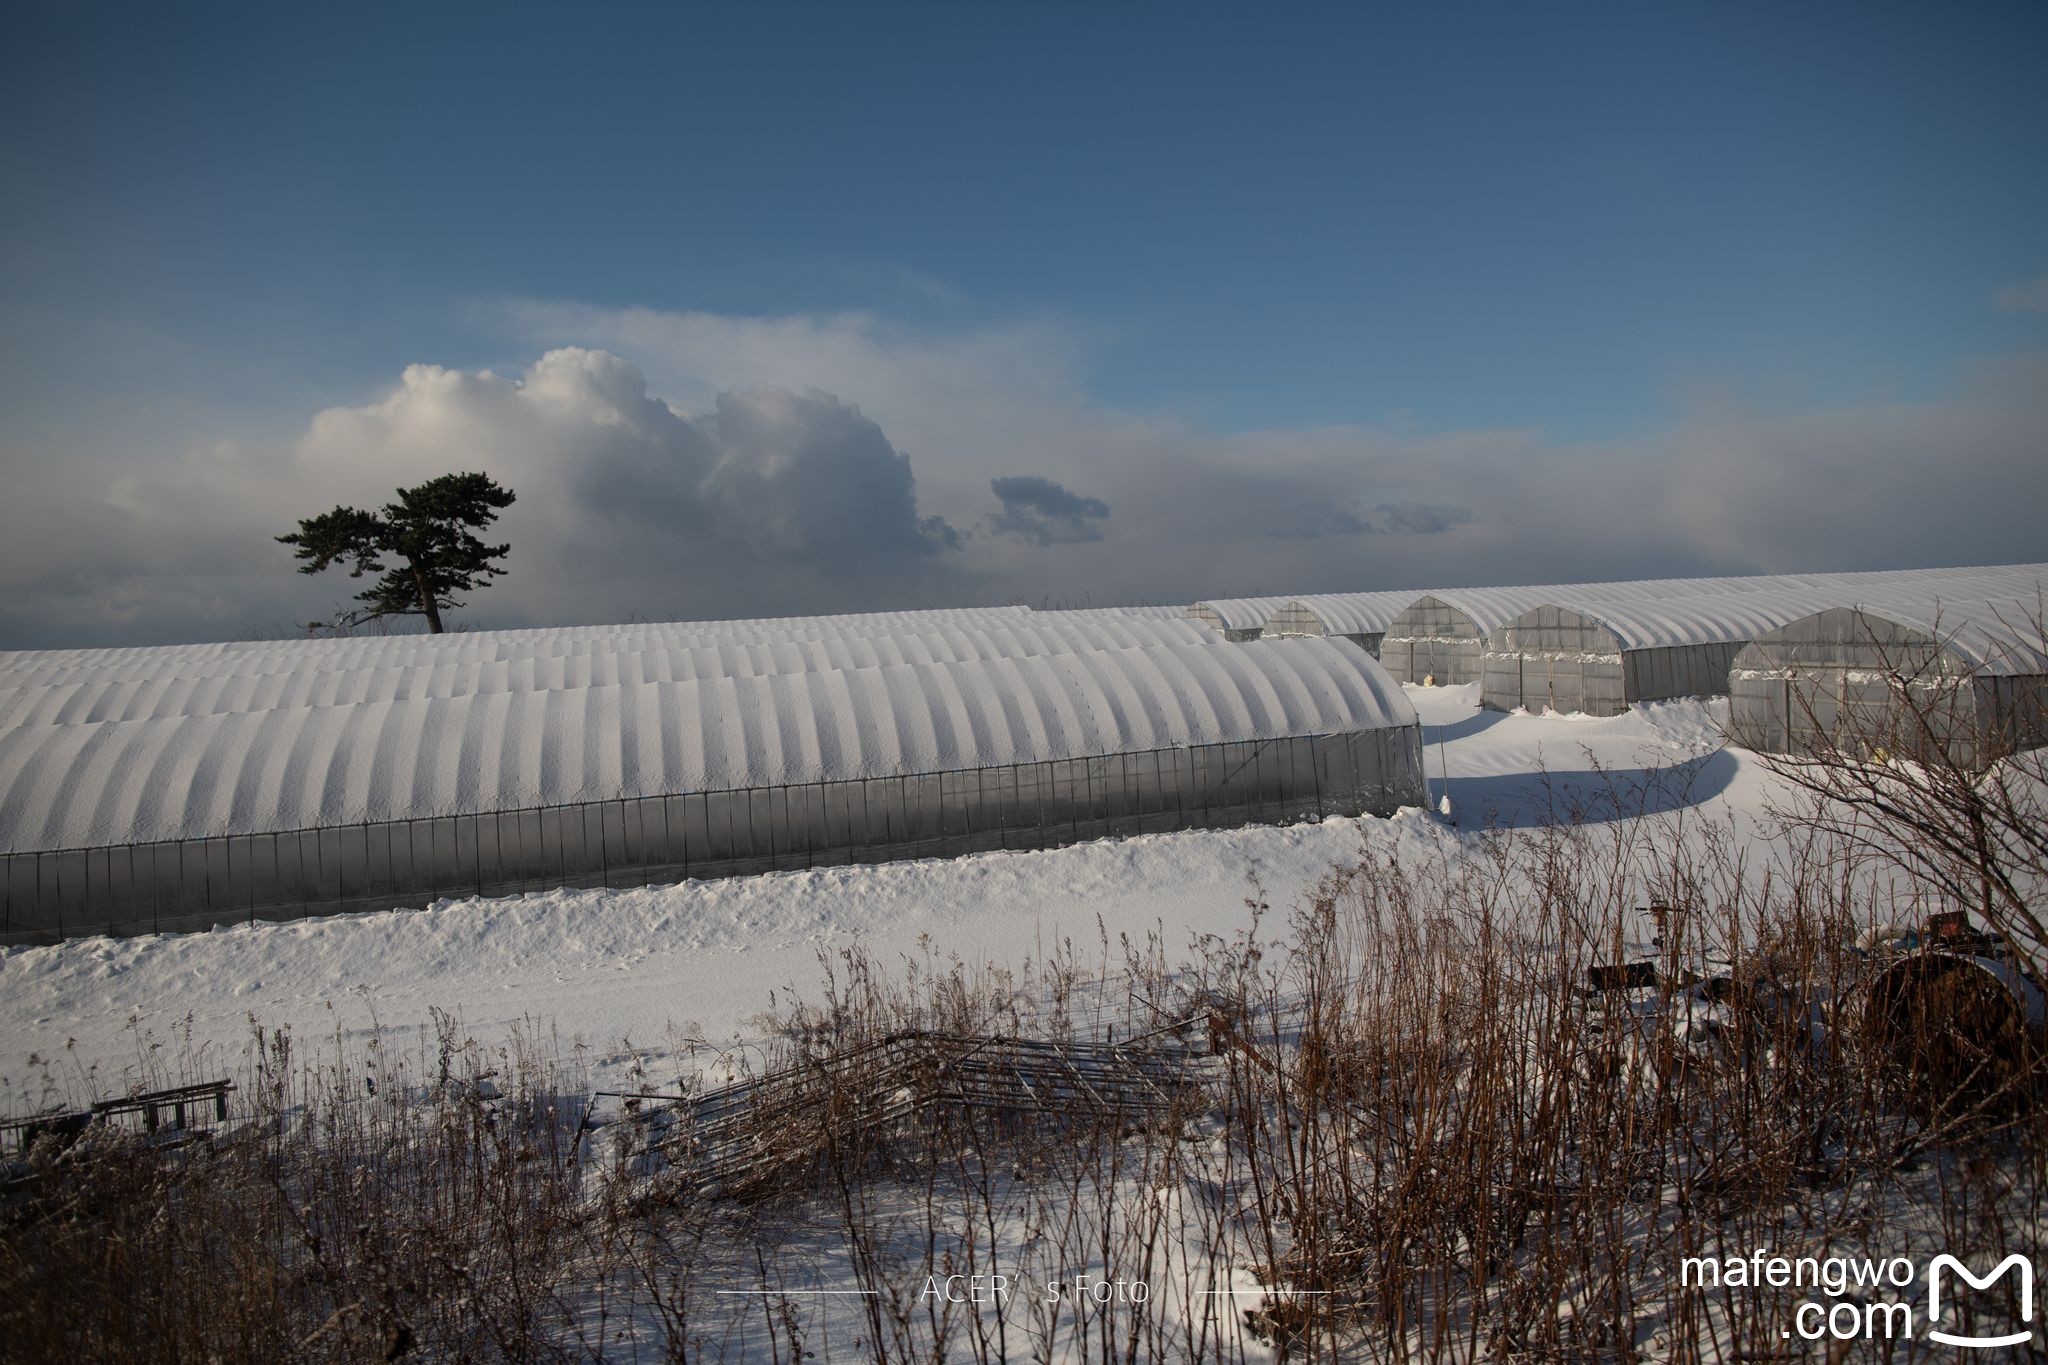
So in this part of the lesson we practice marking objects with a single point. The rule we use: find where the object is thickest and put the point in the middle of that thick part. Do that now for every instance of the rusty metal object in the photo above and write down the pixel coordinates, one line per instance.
(1958, 1030)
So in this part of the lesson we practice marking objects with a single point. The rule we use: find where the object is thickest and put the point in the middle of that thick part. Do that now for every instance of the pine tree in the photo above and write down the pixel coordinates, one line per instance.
(427, 535)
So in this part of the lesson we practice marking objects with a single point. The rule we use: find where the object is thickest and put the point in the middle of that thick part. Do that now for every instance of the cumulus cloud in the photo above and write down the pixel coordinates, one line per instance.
(678, 465)
(768, 495)
(628, 506)
(1039, 511)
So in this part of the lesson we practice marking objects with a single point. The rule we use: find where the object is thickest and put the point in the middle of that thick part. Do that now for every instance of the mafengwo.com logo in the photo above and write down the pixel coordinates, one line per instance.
(1947, 1263)
(1858, 1299)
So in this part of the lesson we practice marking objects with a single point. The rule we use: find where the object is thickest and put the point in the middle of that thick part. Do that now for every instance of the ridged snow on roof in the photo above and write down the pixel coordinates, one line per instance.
(1238, 613)
(502, 644)
(1490, 608)
(1755, 601)
(1998, 636)
(1707, 618)
(1147, 612)
(1969, 603)
(441, 748)
(177, 683)
(1351, 613)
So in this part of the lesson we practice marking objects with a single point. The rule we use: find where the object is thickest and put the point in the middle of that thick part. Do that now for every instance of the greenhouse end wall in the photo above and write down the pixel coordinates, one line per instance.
(1209, 617)
(1565, 683)
(1433, 639)
(1553, 657)
(1294, 619)
(1446, 663)
(197, 883)
(1829, 680)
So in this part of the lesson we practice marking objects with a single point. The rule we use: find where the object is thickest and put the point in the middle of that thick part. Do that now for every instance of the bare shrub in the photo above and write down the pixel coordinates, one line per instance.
(1447, 1109)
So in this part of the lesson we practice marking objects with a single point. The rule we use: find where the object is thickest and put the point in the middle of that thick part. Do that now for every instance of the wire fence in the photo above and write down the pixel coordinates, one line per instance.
(197, 883)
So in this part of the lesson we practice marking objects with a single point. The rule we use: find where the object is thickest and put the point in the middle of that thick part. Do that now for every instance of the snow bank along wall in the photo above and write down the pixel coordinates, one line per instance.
(1833, 680)
(178, 789)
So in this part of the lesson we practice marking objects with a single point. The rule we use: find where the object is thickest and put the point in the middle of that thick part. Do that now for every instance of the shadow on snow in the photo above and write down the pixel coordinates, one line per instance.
(1585, 796)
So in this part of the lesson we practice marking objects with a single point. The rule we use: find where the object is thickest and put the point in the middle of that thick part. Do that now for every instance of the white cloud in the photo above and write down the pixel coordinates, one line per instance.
(628, 506)
(819, 464)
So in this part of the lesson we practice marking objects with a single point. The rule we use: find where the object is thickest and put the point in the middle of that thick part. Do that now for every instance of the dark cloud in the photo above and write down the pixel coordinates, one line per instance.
(1039, 511)
(939, 533)
(1315, 522)
(806, 478)
(1319, 521)
(1422, 518)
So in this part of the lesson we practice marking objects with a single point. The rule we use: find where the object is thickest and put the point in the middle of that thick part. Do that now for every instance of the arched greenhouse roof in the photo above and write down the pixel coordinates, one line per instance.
(280, 674)
(1238, 613)
(1721, 618)
(1995, 636)
(521, 642)
(1350, 613)
(1989, 612)
(114, 781)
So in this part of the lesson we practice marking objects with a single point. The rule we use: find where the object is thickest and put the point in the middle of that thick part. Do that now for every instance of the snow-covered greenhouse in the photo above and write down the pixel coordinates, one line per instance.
(1236, 618)
(1597, 656)
(1360, 617)
(1442, 635)
(1439, 636)
(1837, 680)
(1599, 648)
(181, 787)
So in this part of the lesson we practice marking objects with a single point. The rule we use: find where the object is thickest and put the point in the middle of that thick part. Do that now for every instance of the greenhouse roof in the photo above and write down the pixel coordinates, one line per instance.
(448, 743)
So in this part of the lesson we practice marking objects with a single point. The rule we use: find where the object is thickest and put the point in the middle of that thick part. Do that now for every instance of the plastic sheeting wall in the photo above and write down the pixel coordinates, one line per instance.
(197, 883)
(1699, 670)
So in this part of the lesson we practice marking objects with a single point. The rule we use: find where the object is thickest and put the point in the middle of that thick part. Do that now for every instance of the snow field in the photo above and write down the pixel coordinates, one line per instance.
(615, 971)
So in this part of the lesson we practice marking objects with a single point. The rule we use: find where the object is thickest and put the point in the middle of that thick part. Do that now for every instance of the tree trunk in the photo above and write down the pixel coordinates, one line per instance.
(428, 605)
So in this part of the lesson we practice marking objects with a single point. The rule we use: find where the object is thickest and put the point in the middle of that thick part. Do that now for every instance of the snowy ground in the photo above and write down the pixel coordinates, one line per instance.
(621, 971)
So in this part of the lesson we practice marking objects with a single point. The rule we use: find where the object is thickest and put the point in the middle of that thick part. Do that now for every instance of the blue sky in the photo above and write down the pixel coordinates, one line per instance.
(1592, 225)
